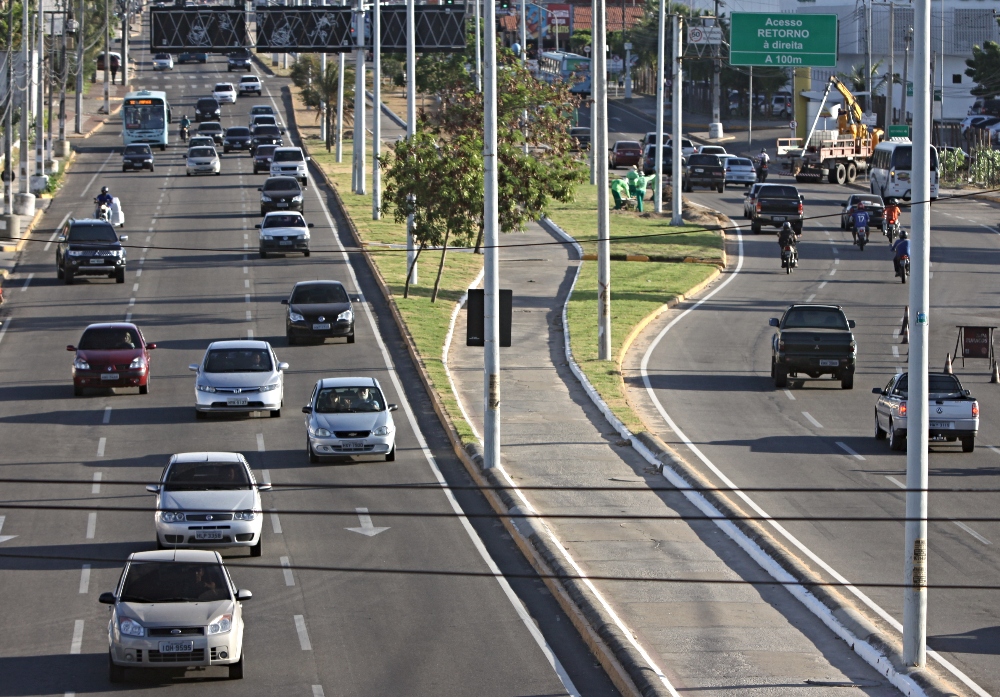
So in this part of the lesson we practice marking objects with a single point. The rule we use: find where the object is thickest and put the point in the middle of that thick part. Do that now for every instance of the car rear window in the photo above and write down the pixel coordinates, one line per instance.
(207, 103)
(224, 87)
(815, 318)
(739, 162)
(332, 400)
(282, 184)
(238, 361)
(288, 156)
(265, 150)
(708, 160)
(628, 144)
(877, 200)
(206, 475)
(238, 131)
(267, 131)
(249, 78)
(201, 152)
(938, 384)
(779, 191)
(173, 582)
(109, 339)
(319, 294)
(283, 220)
(92, 232)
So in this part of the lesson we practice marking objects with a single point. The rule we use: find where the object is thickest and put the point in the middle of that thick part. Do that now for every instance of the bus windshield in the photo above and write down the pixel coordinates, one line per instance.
(144, 118)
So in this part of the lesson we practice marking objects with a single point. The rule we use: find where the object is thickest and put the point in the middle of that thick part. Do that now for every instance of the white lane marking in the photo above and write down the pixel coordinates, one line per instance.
(3, 329)
(96, 174)
(899, 369)
(249, 333)
(4, 538)
(895, 351)
(91, 525)
(148, 238)
(95, 488)
(318, 691)
(896, 482)
(849, 450)
(260, 442)
(833, 270)
(100, 446)
(56, 233)
(790, 395)
(835, 250)
(366, 529)
(812, 420)
(249, 316)
(826, 232)
(994, 449)
(287, 571)
(522, 612)
(138, 273)
(85, 579)
(972, 532)
(128, 316)
(135, 287)
(275, 522)
(300, 629)
(27, 282)
(246, 270)
(246, 283)
(107, 415)
(77, 643)
(246, 297)
(131, 302)
(265, 477)
(810, 298)
(822, 285)
(836, 261)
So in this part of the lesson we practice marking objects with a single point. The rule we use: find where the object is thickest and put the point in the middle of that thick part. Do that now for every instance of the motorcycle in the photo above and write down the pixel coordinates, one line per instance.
(762, 172)
(861, 239)
(891, 231)
(789, 258)
(102, 212)
(184, 134)
(904, 268)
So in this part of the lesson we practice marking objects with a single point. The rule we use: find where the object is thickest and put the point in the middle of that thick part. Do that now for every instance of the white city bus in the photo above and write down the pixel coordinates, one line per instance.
(890, 172)
(146, 117)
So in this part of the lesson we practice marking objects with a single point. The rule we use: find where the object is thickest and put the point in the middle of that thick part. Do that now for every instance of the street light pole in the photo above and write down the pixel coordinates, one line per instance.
(868, 60)
(24, 186)
(376, 108)
(411, 116)
(78, 117)
(62, 144)
(599, 144)
(661, 57)
(359, 102)
(676, 108)
(906, 65)
(892, 67)
(40, 111)
(479, 49)
(491, 267)
(107, 57)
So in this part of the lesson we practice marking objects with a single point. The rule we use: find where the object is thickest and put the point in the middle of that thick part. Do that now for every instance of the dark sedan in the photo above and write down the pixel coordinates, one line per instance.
(649, 161)
(873, 205)
(266, 135)
(137, 156)
(317, 310)
(624, 153)
(111, 355)
(280, 194)
(581, 138)
(189, 57)
(207, 109)
(262, 156)
(237, 138)
(213, 129)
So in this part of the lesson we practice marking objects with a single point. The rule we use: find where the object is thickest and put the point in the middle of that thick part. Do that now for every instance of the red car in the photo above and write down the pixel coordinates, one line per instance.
(624, 153)
(114, 354)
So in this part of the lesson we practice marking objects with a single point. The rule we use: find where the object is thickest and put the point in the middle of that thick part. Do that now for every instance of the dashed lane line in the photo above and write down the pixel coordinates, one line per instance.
(77, 643)
(972, 532)
(95, 488)
(896, 482)
(300, 629)
(107, 415)
(789, 394)
(101, 445)
(85, 579)
(849, 450)
(812, 420)
(286, 569)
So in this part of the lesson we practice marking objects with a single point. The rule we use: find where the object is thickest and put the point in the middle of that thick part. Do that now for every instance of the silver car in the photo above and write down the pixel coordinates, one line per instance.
(739, 170)
(347, 417)
(203, 160)
(174, 609)
(239, 376)
(208, 500)
(283, 231)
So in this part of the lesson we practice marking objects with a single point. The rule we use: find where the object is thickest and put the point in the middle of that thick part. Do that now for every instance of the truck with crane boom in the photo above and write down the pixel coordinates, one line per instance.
(837, 155)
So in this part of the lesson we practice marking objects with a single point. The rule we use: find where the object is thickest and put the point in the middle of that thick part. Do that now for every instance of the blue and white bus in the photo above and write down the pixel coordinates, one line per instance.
(146, 118)
(560, 66)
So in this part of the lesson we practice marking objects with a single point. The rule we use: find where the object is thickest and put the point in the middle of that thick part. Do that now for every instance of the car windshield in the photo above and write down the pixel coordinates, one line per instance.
(203, 140)
(162, 56)
(282, 185)
(815, 318)
(240, 131)
(288, 156)
(144, 117)
(138, 150)
(206, 476)
(333, 400)
(265, 150)
(174, 582)
(109, 339)
(225, 87)
(938, 384)
(264, 120)
(319, 294)
(201, 152)
(248, 78)
(245, 360)
(283, 220)
(92, 232)
(267, 130)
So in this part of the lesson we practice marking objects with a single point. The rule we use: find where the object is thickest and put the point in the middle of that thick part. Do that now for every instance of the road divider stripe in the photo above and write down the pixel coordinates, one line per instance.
(107, 415)
(896, 482)
(318, 691)
(101, 445)
(812, 420)
(3, 328)
(275, 521)
(849, 450)
(260, 442)
(810, 298)
(972, 532)
(77, 644)
(95, 488)
(91, 525)
(85, 579)
(287, 571)
(27, 282)
(300, 629)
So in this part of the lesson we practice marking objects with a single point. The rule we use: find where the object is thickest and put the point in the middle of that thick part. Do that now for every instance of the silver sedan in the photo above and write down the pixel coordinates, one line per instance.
(203, 160)
(239, 376)
(347, 417)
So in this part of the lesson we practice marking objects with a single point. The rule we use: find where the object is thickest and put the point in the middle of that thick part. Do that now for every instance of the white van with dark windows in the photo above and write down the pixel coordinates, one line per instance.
(890, 173)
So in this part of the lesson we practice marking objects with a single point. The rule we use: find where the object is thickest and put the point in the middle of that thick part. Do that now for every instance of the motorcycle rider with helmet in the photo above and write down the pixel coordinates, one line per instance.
(860, 219)
(891, 213)
(185, 127)
(900, 248)
(787, 238)
(103, 199)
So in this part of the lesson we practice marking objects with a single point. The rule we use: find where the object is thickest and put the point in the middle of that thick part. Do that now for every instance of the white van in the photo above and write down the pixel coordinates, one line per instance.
(890, 174)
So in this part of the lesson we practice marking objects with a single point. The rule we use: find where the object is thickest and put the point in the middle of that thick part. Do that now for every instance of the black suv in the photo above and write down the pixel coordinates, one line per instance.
(262, 158)
(90, 247)
(237, 138)
(811, 341)
(239, 60)
(207, 109)
(137, 156)
(280, 194)
(266, 135)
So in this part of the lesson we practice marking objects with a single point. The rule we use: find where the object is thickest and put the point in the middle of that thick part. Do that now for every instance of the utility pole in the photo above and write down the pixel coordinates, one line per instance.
(716, 74)
(941, 77)
(915, 555)
(24, 186)
(40, 110)
(340, 104)
(13, 221)
(868, 59)
(411, 111)
(62, 145)
(376, 108)
(892, 67)
(599, 144)
(491, 267)
(524, 56)
(126, 15)
(676, 109)
(906, 65)
(359, 102)
(593, 82)
(479, 48)
(107, 57)
(51, 79)
(628, 58)
(78, 118)
(661, 56)
(750, 111)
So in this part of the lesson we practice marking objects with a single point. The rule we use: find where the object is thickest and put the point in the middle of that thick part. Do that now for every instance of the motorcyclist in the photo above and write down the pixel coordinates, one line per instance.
(762, 165)
(891, 213)
(860, 218)
(103, 199)
(185, 127)
(900, 249)
(787, 238)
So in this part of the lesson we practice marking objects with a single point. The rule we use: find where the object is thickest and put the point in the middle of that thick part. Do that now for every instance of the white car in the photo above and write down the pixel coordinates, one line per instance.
(347, 417)
(239, 376)
(163, 61)
(283, 231)
(203, 160)
(258, 109)
(224, 93)
(290, 162)
(250, 84)
(174, 609)
(739, 170)
(688, 148)
(208, 500)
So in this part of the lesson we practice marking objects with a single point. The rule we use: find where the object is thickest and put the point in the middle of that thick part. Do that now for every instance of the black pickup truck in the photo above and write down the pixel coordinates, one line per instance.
(776, 205)
(704, 170)
(813, 340)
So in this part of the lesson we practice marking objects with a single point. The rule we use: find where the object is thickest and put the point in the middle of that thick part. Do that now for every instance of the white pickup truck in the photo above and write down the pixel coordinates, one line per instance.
(953, 413)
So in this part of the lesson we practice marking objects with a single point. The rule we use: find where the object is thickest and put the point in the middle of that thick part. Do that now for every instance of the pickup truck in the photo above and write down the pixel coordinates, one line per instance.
(704, 170)
(813, 340)
(776, 205)
(953, 413)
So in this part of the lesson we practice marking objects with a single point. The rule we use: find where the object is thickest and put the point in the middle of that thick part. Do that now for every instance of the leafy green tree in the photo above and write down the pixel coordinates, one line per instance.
(317, 88)
(580, 40)
(984, 69)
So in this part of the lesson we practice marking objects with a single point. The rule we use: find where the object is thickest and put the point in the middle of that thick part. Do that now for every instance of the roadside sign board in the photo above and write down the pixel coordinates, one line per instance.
(899, 131)
(705, 36)
(976, 342)
(781, 39)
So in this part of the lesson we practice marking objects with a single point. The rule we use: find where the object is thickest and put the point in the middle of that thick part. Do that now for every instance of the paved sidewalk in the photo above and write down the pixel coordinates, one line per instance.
(708, 639)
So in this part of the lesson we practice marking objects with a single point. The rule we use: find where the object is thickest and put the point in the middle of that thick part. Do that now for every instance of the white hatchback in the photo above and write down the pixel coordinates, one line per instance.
(208, 500)
(290, 162)
(224, 93)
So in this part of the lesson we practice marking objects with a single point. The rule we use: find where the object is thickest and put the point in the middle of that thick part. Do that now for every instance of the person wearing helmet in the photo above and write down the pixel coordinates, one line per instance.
(787, 238)
(900, 249)
(762, 165)
(103, 199)
(860, 219)
(891, 213)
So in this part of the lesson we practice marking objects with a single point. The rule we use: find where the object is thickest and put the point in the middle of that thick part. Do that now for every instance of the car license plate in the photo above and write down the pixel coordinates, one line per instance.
(208, 534)
(176, 646)
(237, 401)
(941, 424)
(353, 445)
(829, 363)
(779, 218)
(96, 260)
(698, 170)
(286, 243)
(319, 327)
(109, 376)
(282, 204)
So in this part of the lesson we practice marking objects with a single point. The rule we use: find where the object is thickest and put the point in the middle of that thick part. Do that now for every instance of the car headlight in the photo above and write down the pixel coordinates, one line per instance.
(244, 515)
(81, 364)
(381, 431)
(295, 317)
(130, 627)
(148, 159)
(268, 237)
(137, 363)
(221, 624)
(265, 199)
(320, 432)
(346, 316)
(204, 388)
(297, 199)
(269, 388)
(75, 253)
(172, 516)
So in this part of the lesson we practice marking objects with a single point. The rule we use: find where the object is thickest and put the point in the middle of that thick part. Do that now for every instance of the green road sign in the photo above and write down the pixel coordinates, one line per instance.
(900, 131)
(909, 89)
(780, 39)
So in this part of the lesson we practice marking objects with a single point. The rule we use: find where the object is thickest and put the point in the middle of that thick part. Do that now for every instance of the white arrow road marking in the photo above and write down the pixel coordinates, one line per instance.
(366, 528)
(4, 538)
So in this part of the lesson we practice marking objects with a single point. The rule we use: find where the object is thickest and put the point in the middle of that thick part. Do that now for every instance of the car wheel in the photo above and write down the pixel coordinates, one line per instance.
(77, 391)
(263, 254)
(307, 252)
(201, 415)
(780, 377)
(236, 669)
(68, 277)
(897, 439)
(291, 339)
(144, 389)
(189, 174)
(163, 148)
(119, 275)
(151, 169)
(59, 272)
(124, 168)
(720, 188)
(847, 381)
(350, 339)
(276, 413)
(313, 457)
(219, 173)
(263, 212)
(879, 433)
(257, 549)
(968, 444)
(391, 455)
(116, 674)
(755, 228)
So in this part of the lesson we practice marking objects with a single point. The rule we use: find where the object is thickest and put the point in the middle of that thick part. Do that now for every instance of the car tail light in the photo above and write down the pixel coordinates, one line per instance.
(758, 206)
(800, 208)
(788, 249)
(902, 408)
(975, 409)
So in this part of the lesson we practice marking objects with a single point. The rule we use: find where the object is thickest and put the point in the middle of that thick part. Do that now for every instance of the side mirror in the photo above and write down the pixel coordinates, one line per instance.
(284, 301)
(393, 407)
(150, 347)
(61, 238)
(851, 323)
(308, 159)
(194, 367)
(307, 410)
(967, 393)
(123, 238)
(71, 348)
(877, 390)
(260, 188)
(263, 487)
(257, 226)
(773, 322)
(282, 366)
(107, 598)
(153, 488)
(243, 594)
(310, 225)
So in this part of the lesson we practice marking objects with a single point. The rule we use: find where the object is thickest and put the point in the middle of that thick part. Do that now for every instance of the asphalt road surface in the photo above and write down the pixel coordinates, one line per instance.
(194, 276)
(710, 374)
